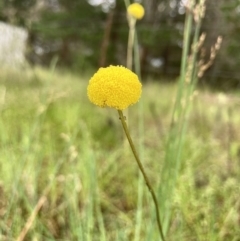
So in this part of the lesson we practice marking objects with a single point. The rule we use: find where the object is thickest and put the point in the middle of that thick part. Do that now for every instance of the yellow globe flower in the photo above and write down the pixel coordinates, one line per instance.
(136, 10)
(114, 86)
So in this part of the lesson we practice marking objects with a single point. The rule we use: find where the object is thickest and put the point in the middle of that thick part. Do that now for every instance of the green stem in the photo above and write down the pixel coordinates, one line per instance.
(132, 23)
(124, 124)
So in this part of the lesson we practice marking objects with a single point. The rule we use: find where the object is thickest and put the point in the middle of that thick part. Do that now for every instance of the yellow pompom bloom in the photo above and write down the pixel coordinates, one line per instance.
(136, 10)
(114, 86)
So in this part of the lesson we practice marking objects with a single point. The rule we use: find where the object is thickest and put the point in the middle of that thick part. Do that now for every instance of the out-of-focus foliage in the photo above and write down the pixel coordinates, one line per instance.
(84, 35)
(70, 31)
(230, 55)
(17, 11)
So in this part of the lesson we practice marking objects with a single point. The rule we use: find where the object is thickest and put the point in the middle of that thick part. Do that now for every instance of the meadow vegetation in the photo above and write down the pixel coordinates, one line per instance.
(65, 163)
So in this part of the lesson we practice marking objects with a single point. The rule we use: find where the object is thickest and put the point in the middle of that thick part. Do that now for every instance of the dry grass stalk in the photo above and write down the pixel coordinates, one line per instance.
(33, 215)
(204, 66)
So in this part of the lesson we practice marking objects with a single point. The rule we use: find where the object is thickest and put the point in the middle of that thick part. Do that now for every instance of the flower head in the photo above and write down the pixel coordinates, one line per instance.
(136, 10)
(114, 86)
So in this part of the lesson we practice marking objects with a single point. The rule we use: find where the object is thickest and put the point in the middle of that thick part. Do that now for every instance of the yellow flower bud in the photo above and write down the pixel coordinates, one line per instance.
(114, 86)
(136, 10)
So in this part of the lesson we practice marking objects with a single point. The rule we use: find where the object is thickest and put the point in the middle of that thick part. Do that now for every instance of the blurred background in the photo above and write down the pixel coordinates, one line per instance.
(67, 162)
(87, 34)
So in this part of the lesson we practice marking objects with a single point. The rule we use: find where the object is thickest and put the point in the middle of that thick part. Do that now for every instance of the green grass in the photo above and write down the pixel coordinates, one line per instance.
(52, 137)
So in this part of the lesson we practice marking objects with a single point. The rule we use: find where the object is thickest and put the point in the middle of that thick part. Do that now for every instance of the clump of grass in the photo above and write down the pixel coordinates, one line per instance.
(89, 198)
(191, 70)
